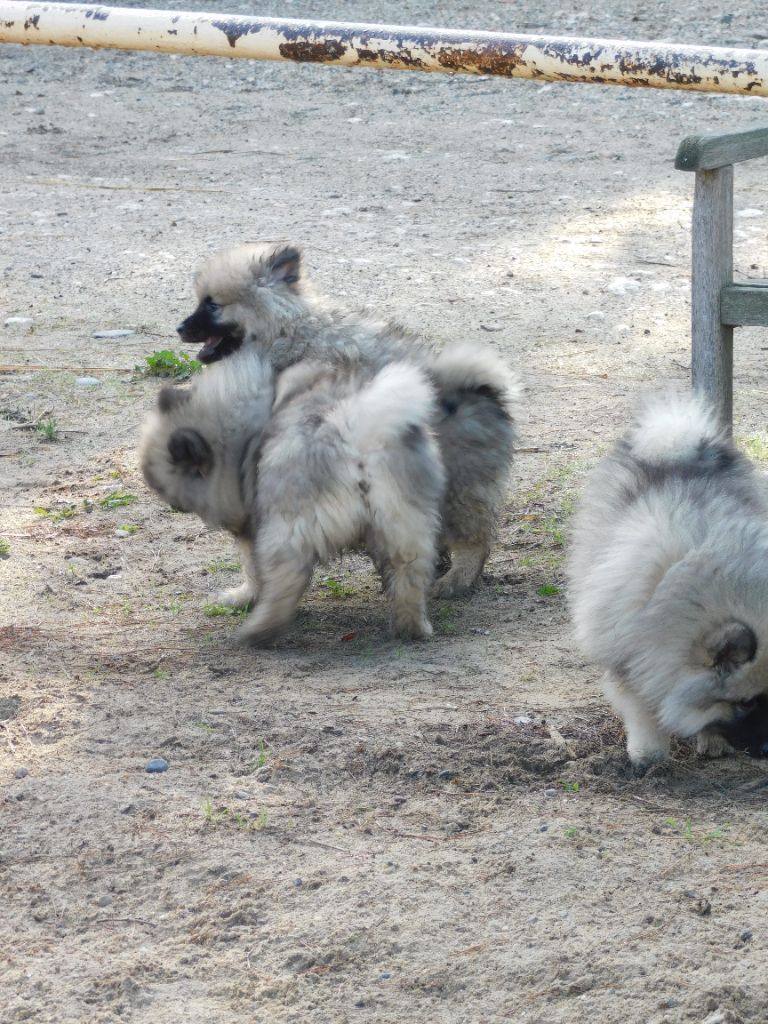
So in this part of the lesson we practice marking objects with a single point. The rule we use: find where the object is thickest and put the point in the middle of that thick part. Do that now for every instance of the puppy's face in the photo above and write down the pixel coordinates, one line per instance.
(749, 731)
(720, 685)
(243, 292)
(188, 470)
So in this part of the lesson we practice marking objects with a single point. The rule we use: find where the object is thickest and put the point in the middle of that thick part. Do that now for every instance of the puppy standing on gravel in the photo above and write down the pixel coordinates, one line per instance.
(256, 295)
(335, 462)
(669, 581)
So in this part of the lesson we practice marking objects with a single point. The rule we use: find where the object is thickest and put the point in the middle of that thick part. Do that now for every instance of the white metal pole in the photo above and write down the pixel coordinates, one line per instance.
(543, 58)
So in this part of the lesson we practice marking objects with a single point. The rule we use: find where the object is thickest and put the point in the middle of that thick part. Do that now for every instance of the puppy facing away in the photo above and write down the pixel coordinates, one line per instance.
(669, 583)
(327, 462)
(257, 295)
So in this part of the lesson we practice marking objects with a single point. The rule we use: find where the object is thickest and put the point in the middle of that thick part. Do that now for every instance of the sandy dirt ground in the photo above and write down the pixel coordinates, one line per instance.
(351, 829)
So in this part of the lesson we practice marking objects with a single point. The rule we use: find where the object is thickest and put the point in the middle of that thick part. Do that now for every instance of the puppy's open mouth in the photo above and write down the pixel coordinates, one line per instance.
(217, 346)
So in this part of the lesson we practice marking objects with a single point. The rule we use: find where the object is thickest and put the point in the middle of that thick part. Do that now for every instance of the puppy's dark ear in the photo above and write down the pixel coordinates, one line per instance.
(730, 646)
(284, 265)
(172, 398)
(190, 451)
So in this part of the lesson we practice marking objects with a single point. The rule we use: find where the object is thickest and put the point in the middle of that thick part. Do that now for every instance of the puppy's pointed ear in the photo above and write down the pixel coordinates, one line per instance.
(171, 398)
(190, 451)
(284, 265)
(731, 645)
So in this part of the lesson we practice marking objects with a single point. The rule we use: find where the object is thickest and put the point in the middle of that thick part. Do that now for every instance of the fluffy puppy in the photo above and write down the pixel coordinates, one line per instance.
(257, 295)
(669, 582)
(330, 461)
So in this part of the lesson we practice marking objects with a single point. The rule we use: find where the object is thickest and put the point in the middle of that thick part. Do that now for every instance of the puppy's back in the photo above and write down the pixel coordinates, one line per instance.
(674, 483)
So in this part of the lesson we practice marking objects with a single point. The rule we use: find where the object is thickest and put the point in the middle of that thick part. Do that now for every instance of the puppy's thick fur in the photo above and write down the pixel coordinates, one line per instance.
(669, 581)
(326, 462)
(257, 295)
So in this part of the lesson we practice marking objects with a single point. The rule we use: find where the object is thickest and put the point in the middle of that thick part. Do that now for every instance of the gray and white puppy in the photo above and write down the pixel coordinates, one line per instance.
(302, 469)
(669, 581)
(257, 295)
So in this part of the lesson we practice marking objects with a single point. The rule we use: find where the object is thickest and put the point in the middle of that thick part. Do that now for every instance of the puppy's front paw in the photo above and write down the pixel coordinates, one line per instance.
(260, 629)
(643, 760)
(237, 597)
(452, 584)
(709, 744)
(412, 629)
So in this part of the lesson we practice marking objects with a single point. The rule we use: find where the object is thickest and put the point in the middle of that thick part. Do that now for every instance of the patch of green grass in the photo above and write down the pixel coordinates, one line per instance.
(161, 673)
(570, 787)
(203, 726)
(262, 758)
(117, 499)
(571, 832)
(213, 610)
(336, 589)
(227, 816)
(5, 547)
(177, 365)
(685, 830)
(548, 590)
(56, 515)
(446, 619)
(48, 429)
(223, 565)
(756, 446)
(128, 528)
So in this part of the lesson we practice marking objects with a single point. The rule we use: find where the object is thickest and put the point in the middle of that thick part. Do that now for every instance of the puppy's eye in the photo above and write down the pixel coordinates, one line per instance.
(208, 301)
(745, 706)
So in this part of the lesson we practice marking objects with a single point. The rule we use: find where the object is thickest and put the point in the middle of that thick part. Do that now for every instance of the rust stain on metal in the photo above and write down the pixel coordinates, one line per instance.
(488, 60)
(389, 57)
(318, 51)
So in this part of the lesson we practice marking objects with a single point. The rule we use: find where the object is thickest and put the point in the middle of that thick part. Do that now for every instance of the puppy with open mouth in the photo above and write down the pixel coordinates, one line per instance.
(669, 583)
(300, 469)
(257, 295)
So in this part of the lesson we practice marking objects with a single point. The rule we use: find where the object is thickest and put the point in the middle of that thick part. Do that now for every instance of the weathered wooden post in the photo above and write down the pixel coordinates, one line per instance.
(717, 303)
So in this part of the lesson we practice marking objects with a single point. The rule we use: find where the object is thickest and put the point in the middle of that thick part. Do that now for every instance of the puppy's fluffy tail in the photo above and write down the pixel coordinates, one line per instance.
(466, 367)
(674, 428)
(398, 398)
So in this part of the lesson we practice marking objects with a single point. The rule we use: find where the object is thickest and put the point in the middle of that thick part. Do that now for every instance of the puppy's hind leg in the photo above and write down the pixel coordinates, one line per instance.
(284, 573)
(245, 594)
(647, 742)
(467, 561)
(407, 540)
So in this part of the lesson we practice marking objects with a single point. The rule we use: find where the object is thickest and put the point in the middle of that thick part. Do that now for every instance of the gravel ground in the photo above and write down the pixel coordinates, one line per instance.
(351, 829)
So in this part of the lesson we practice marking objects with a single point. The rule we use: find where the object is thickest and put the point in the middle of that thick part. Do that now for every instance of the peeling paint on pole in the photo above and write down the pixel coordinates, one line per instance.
(542, 58)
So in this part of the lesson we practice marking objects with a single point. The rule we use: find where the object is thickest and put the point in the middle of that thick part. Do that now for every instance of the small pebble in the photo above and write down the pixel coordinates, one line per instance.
(385, 976)
(156, 765)
(550, 792)
(241, 794)
(298, 882)
(122, 532)
(21, 773)
(122, 333)
(446, 775)
(18, 321)
(480, 632)
(105, 901)
(263, 774)
(543, 828)
(87, 382)
(746, 936)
